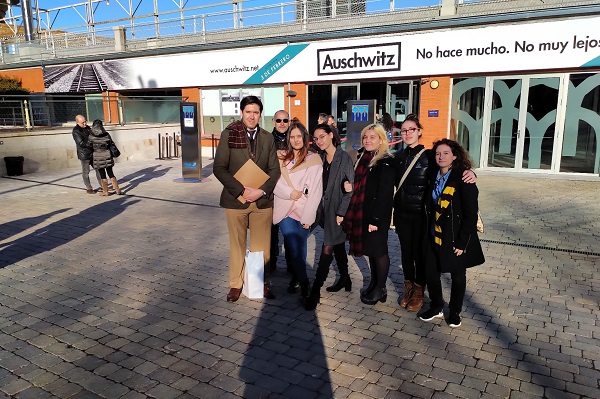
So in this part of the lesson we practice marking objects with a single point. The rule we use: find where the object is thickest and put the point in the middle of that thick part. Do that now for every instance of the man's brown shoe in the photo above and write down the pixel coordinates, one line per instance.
(268, 294)
(234, 294)
(90, 191)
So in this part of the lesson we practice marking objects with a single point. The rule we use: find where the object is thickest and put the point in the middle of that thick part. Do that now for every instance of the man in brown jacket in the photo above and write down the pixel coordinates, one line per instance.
(241, 141)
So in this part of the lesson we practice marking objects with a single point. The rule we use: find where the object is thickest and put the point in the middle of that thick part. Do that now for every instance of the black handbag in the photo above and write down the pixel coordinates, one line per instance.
(114, 151)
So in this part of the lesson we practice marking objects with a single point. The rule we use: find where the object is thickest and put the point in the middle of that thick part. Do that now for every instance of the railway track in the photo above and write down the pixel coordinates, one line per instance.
(88, 79)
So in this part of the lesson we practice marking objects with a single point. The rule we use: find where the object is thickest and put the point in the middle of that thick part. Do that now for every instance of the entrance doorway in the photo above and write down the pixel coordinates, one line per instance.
(340, 95)
(520, 122)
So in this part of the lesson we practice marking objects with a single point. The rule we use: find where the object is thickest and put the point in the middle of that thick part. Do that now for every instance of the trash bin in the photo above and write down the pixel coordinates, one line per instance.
(14, 165)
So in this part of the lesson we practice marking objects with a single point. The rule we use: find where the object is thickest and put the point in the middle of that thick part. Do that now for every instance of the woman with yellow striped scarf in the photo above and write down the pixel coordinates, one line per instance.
(452, 243)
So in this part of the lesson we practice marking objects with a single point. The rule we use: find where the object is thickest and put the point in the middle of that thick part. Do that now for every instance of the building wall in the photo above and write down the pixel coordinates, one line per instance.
(55, 149)
(298, 111)
(31, 78)
(438, 99)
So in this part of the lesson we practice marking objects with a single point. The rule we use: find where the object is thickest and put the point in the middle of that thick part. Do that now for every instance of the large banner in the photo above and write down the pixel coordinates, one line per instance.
(525, 46)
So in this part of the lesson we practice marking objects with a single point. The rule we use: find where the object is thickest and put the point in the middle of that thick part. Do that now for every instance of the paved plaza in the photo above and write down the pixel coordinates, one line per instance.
(124, 297)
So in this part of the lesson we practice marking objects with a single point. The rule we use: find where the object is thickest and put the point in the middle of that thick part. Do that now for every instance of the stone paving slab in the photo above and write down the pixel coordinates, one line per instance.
(123, 297)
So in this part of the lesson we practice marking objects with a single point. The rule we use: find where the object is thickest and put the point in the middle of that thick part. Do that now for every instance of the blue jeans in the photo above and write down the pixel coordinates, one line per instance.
(295, 238)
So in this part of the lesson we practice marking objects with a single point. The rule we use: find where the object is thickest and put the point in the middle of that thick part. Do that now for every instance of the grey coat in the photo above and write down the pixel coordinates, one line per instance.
(99, 140)
(335, 201)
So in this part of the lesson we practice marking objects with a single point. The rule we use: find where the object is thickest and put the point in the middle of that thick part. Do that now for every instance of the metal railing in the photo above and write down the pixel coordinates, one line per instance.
(218, 23)
(44, 111)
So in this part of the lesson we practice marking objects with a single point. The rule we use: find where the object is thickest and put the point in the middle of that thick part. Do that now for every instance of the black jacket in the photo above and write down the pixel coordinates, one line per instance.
(279, 139)
(458, 222)
(81, 135)
(408, 202)
(377, 207)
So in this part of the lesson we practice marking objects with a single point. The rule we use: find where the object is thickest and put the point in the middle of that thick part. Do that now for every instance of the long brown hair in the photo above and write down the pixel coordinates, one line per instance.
(462, 156)
(288, 154)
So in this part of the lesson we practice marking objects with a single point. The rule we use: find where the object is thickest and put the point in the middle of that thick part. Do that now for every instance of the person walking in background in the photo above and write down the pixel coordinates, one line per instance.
(322, 118)
(452, 241)
(240, 141)
(370, 212)
(337, 169)
(102, 160)
(81, 133)
(392, 131)
(412, 168)
(297, 196)
(281, 124)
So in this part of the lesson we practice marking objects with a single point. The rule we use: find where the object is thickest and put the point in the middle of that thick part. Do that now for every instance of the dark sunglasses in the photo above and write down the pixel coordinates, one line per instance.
(282, 120)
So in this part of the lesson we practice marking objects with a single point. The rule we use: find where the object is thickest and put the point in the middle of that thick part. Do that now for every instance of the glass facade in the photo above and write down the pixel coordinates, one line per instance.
(220, 107)
(539, 122)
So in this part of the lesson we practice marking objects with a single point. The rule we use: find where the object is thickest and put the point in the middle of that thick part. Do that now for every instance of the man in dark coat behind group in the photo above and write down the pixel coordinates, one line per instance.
(281, 124)
(81, 132)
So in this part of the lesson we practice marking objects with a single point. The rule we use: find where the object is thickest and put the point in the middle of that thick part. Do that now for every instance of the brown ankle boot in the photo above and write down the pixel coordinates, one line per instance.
(416, 300)
(104, 184)
(115, 185)
(408, 288)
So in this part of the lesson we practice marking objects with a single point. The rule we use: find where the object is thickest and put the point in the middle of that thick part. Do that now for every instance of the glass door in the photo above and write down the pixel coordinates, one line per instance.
(339, 96)
(521, 122)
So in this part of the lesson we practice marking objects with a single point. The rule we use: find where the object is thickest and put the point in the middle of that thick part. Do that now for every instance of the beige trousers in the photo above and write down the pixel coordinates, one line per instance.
(239, 221)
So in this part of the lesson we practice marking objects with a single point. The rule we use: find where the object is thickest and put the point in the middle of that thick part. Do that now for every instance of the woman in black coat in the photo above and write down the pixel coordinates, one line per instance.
(452, 244)
(370, 212)
(337, 169)
(102, 160)
(409, 215)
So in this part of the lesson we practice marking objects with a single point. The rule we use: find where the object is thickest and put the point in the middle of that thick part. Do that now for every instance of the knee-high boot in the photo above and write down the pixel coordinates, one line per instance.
(104, 184)
(115, 185)
(320, 276)
(342, 263)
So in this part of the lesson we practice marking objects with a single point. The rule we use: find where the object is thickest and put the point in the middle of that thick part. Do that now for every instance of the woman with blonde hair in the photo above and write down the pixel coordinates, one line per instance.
(369, 215)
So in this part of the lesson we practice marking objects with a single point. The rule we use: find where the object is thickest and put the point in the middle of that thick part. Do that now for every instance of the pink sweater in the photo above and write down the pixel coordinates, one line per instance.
(309, 175)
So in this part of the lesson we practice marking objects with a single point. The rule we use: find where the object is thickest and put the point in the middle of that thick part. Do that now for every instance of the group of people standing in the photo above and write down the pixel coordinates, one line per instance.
(435, 208)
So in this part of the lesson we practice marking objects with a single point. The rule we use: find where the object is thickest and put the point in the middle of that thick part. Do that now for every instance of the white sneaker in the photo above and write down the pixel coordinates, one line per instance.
(431, 314)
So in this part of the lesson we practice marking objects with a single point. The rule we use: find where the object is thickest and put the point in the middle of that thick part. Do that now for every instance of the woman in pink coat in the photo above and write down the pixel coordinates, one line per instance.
(297, 196)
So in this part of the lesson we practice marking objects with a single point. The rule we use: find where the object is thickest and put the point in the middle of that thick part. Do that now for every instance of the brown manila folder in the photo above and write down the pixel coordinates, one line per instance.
(250, 175)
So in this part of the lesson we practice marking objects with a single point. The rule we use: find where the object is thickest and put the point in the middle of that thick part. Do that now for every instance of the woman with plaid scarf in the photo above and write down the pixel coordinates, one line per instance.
(368, 218)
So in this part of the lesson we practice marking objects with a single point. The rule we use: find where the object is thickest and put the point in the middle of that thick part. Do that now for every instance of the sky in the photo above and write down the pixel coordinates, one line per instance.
(72, 18)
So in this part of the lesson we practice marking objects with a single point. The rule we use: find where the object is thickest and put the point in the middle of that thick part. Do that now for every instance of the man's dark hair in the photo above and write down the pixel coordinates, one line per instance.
(251, 100)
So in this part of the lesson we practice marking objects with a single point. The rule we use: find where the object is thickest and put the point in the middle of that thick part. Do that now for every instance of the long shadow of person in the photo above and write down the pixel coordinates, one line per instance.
(62, 231)
(286, 355)
(15, 227)
(143, 175)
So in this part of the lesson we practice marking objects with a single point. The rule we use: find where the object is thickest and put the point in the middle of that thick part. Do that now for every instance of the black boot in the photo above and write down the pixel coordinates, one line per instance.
(314, 298)
(343, 282)
(304, 290)
(376, 295)
(342, 264)
(372, 282)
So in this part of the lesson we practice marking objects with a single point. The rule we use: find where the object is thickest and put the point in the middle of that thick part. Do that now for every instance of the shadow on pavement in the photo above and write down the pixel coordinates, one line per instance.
(61, 232)
(15, 227)
(143, 175)
(40, 183)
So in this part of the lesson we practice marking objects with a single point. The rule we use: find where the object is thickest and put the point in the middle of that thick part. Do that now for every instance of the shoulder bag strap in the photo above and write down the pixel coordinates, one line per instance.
(414, 161)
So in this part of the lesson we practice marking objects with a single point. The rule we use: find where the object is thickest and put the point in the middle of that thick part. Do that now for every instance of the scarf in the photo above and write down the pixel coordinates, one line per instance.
(353, 221)
(442, 203)
(280, 139)
(238, 137)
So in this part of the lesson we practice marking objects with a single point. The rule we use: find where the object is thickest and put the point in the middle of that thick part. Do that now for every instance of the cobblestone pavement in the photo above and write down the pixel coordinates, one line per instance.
(124, 297)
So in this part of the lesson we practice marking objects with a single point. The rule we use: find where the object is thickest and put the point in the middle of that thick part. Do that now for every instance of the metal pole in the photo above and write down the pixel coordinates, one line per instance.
(159, 152)
(212, 145)
(27, 20)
